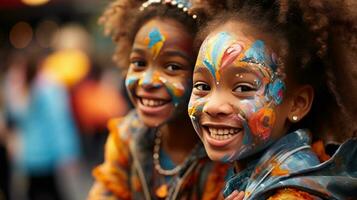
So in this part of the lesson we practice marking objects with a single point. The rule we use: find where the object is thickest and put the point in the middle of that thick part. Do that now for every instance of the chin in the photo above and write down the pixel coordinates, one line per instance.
(217, 155)
(151, 121)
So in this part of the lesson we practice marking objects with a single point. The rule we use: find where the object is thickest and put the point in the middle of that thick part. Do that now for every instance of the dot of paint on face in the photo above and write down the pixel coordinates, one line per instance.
(239, 75)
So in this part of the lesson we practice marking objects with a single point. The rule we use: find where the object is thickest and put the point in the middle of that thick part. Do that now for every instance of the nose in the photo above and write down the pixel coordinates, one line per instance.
(150, 80)
(218, 106)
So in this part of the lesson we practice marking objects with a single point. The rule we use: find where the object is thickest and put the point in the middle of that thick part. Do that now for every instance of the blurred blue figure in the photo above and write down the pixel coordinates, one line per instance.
(41, 113)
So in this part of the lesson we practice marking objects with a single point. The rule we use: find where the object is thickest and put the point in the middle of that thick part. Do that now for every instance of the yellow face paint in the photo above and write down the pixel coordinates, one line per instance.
(155, 42)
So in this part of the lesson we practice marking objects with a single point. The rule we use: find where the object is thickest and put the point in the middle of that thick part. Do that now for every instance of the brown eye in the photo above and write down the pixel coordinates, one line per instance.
(173, 67)
(244, 88)
(139, 63)
(202, 86)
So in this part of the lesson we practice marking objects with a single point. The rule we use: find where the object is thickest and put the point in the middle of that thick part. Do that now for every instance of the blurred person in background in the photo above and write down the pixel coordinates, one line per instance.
(38, 105)
(95, 100)
(4, 161)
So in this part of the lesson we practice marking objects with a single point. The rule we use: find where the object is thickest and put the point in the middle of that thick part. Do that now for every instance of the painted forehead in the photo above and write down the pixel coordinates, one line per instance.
(224, 49)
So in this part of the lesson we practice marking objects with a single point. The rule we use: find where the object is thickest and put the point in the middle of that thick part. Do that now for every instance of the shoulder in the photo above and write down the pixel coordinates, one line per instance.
(126, 128)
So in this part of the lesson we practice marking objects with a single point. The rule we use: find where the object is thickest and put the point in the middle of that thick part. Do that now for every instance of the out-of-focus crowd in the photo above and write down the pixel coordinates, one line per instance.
(55, 99)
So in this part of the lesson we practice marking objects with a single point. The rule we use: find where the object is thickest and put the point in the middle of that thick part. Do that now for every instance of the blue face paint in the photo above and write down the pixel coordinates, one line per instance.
(156, 42)
(276, 90)
(257, 54)
(215, 53)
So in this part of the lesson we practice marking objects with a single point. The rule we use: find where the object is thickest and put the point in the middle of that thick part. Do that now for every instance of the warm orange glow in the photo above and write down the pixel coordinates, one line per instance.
(67, 66)
(34, 2)
(21, 35)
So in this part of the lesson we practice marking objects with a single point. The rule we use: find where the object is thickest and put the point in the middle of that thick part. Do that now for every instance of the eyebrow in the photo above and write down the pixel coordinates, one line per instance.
(138, 50)
(176, 53)
(200, 69)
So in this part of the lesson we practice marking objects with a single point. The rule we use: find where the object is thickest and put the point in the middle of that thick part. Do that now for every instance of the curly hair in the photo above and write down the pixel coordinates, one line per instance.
(334, 28)
(308, 27)
(122, 19)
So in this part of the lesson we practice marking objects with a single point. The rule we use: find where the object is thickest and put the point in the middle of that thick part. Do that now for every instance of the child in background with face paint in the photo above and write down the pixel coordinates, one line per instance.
(259, 86)
(154, 153)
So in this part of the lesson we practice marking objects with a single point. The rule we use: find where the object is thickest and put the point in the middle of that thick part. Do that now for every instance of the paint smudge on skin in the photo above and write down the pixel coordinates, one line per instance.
(151, 78)
(276, 90)
(175, 90)
(261, 123)
(217, 50)
(231, 54)
(194, 111)
(156, 42)
(257, 54)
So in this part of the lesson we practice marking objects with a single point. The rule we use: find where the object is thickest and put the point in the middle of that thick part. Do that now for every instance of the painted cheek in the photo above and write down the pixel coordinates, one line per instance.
(130, 83)
(178, 91)
(276, 91)
(262, 122)
(195, 109)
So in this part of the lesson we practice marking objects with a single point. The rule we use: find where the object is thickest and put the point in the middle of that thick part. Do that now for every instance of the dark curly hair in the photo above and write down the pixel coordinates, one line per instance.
(123, 18)
(306, 29)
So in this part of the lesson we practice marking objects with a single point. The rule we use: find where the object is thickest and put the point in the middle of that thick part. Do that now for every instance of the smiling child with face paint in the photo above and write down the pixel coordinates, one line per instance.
(153, 152)
(249, 103)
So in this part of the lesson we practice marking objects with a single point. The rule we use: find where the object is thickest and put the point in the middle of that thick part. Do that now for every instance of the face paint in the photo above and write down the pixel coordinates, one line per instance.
(255, 113)
(151, 78)
(155, 42)
(177, 90)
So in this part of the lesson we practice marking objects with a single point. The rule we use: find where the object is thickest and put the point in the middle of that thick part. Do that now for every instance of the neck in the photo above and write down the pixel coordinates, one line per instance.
(178, 139)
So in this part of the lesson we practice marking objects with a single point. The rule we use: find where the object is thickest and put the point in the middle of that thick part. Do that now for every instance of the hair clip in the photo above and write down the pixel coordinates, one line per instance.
(183, 5)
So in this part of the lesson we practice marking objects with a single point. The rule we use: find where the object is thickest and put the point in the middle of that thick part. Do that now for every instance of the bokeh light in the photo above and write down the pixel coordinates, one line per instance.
(45, 32)
(34, 2)
(67, 66)
(21, 35)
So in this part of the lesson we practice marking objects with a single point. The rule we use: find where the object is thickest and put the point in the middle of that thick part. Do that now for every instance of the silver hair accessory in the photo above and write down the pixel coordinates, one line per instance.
(183, 5)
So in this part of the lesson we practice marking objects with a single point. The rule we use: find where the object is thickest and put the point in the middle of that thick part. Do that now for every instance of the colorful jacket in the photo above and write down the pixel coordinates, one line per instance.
(291, 163)
(128, 172)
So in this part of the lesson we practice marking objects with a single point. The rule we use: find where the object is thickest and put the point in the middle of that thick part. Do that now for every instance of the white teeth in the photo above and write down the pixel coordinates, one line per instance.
(226, 131)
(152, 102)
(222, 133)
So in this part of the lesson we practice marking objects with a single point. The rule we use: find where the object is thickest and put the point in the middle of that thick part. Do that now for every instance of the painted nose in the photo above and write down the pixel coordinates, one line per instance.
(150, 80)
(218, 106)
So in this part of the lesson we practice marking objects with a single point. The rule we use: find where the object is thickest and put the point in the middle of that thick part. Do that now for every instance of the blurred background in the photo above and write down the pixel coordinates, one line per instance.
(59, 87)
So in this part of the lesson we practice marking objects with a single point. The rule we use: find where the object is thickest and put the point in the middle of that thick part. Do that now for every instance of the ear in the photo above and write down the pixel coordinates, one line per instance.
(301, 103)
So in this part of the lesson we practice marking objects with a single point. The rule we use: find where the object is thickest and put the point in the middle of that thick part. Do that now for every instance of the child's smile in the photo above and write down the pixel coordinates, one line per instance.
(237, 88)
(159, 75)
